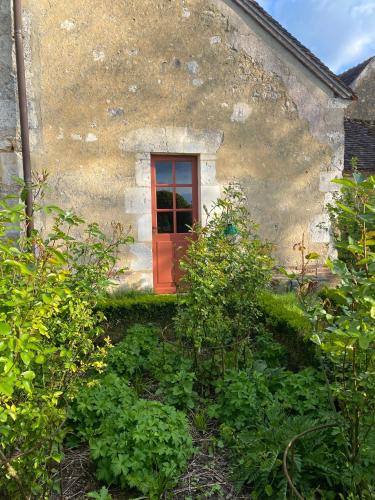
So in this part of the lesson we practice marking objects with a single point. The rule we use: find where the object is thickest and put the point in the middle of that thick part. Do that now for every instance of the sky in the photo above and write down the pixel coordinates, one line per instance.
(340, 32)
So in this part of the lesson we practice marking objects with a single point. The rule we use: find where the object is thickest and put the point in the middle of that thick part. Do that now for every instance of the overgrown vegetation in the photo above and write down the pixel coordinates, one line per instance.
(244, 369)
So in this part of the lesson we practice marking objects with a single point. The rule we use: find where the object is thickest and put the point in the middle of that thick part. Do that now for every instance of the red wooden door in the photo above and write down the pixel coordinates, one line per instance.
(174, 209)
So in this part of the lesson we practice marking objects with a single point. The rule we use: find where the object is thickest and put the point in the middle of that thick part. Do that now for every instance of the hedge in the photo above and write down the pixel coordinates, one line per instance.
(285, 318)
(122, 312)
(284, 311)
(281, 313)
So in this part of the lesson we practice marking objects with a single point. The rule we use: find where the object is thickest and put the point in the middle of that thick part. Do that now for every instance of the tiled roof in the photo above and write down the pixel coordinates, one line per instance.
(350, 75)
(360, 143)
(307, 58)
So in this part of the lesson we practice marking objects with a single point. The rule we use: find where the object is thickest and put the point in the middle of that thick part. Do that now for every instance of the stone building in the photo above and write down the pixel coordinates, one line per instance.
(360, 117)
(187, 94)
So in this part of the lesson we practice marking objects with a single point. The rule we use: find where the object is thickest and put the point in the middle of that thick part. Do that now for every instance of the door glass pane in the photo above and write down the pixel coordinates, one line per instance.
(164, 197)
(184, 197)
(163, 172)
(184, 172)
(165, 222)
(184, 219)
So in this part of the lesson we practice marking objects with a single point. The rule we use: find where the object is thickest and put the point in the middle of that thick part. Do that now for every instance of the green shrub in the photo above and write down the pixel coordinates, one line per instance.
(98, 400)
(177, 389)
(303, 393)
(284, 311)
(226, 266)
(241, 398)
(344, 326)
(143, 308)
(268, 350)
(133, 354)
(316, 462)
(146, 447)
(290, 325)
(141, 355)
(49, 286)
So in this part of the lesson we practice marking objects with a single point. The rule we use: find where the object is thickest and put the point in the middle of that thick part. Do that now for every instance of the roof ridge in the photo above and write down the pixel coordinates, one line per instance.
(303, 54)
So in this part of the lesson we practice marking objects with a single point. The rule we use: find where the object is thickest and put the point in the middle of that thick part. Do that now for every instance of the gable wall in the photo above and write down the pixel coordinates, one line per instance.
(110, 84)
(364, 87)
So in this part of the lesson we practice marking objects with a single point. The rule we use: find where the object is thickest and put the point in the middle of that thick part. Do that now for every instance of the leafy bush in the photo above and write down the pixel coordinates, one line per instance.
(284, 315)
(268, 350)
(284, 311)
(133, 355)
(177, 389)
(344, 328)
(100, 399)
(225, 268)
(48, 328)
(142, 355)
(351, 199)
(145, 446)
(303, 393)
(241, 398)
(260, 412)
(256, 456)
(122, 311)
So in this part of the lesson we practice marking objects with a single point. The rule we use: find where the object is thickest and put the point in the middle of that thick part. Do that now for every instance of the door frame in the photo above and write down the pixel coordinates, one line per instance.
(154, 211)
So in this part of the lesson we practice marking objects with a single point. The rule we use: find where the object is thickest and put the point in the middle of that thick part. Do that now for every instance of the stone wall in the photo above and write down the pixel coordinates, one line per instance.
(9, 161)
(114, 83)
(364, 87)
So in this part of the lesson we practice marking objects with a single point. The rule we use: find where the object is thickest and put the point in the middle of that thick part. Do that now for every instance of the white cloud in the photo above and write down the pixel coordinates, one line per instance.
(340, 32)
(365, 9)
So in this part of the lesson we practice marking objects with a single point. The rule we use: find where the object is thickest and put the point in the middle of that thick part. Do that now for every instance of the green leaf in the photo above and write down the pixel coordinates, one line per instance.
(344, 182)
(40, 359)
(364, 342)
(28, 375)
(346, 208)
(312, 256)
(21, 266)
(7, 386)
(60, 258)
(269, 490)
(5, 328)
(26, 357)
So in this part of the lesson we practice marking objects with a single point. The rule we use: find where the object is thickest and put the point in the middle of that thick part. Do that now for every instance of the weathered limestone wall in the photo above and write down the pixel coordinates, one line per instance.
(9, 161)
(364, 87)
(117, 82)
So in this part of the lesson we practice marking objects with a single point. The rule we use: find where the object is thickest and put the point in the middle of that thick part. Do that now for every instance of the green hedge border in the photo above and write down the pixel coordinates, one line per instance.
(123, 312)
(281, 313)
(284, 317)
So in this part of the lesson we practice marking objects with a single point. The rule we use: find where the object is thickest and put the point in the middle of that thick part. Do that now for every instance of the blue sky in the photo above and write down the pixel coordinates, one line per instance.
(340, 32)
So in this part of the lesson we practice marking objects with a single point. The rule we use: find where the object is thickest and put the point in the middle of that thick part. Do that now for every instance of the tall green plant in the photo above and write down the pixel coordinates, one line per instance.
(345, 227)
(225, 268)
(48, 328)
(345, 327)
